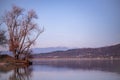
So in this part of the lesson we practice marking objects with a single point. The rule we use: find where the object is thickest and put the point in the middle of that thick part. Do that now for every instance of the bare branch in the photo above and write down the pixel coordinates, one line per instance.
(20, 30)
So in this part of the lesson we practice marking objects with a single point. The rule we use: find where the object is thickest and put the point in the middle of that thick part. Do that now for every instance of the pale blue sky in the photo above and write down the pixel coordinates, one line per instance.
(74, 23)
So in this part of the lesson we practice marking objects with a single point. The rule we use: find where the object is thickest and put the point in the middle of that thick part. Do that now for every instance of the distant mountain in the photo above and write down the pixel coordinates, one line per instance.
(39, 50)
(49, 49)
(108, 51)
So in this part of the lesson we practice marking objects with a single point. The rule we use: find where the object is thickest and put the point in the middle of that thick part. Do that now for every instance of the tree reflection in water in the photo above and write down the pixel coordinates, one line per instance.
(22, 73)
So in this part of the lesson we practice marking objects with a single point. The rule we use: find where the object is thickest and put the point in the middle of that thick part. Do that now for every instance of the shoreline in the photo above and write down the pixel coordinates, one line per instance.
(46, 59)
(63, 59)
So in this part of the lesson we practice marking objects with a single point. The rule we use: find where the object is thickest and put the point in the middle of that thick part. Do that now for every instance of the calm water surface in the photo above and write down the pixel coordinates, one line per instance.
(63, 70)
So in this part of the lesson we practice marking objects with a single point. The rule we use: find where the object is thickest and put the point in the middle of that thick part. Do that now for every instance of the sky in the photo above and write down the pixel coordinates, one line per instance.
(73, 23)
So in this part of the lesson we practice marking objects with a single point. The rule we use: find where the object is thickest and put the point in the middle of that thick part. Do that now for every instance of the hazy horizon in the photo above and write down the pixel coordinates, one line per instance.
(73, 23)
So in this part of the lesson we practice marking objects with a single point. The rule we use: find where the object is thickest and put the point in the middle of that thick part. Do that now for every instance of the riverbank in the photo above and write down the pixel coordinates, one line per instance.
(49, 59)
(9, 60)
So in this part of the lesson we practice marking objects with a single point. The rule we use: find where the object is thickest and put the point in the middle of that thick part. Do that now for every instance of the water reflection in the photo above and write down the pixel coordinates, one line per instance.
(10, 72)
(101, 65)
(63, 70)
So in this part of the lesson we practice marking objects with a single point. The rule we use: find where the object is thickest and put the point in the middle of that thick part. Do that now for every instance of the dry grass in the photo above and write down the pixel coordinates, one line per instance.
(6, 59)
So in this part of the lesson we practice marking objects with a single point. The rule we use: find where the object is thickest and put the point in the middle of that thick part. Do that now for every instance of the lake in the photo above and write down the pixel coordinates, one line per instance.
(63, 70)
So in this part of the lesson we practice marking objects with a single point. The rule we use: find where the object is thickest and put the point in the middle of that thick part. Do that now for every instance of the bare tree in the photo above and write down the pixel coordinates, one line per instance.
(2, 37)
(22, 31)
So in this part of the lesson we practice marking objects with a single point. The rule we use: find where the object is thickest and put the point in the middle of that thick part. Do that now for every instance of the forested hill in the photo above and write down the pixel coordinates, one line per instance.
(108, 51)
